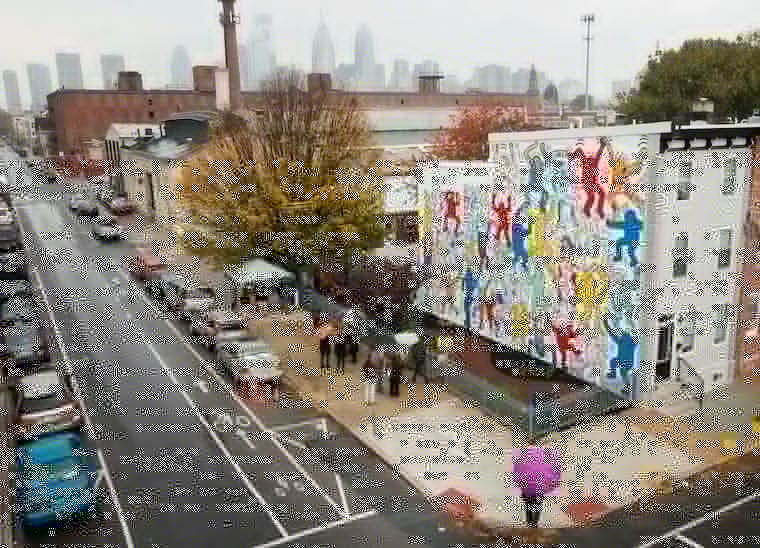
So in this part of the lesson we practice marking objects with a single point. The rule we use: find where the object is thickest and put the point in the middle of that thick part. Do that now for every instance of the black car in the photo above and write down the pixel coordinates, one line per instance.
(21, 308)
(13, 266)
(106, 229)
(27, 342)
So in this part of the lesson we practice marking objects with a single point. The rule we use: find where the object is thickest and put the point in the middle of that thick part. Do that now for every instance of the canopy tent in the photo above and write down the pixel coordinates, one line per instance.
(258, 271)
(263, 279)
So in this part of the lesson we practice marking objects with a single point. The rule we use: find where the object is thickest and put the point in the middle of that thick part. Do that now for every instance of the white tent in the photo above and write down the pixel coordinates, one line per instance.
(258, 271)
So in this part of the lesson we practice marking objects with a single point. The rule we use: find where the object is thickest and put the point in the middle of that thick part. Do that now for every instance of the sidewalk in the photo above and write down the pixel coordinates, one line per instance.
(438, 442)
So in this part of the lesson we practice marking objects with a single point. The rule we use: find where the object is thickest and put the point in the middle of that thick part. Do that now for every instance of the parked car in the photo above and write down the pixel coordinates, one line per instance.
(87, 207)
(14, 288)
(13, 266)
(144, 264)
(215, 327)
(106, 228)
(27, 342)
(10, 235)
(18, 308)
(120, 205)
(45, 404)
(250, 360)
(184, 296)
(77, 199)
(55, 481)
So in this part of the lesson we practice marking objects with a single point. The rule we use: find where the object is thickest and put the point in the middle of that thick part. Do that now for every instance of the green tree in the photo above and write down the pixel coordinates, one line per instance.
(292, 180)
(579, 103)
(724, 71)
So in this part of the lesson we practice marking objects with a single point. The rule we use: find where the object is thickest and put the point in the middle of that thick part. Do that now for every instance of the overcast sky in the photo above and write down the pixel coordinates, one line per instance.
(459, 35)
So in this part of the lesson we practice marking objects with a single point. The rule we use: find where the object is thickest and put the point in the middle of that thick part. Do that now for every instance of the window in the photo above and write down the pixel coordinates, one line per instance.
(729, 176)
(151, 114)
(724, 249)
(665, 330)
(687, 331)
(150, 102)
(684, 180)
(721, 323)
(680, 255)
(148, 131)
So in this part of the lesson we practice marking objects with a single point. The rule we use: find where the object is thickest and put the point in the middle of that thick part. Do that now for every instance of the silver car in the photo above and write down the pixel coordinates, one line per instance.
(215, 327)
(46, 404)
(251, 360)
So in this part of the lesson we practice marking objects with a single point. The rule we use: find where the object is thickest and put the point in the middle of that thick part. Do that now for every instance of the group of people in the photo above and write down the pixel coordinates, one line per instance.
(343, 344)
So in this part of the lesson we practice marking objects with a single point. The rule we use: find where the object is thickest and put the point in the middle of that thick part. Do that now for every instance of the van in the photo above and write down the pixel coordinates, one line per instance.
(145, 264)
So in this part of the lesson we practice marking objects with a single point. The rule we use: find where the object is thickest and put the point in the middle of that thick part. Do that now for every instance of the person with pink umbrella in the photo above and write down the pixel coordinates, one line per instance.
(537, 472)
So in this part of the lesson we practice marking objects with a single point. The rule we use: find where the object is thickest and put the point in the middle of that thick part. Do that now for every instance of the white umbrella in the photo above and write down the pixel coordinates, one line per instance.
(407, 338)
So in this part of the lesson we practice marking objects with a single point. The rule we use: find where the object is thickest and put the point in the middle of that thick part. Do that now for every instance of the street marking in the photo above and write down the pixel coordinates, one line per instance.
(202, 385)
(240, 403)
(246, 481)
(707, 517)
(243, 436)
(292, 442)
(97, 480)
(319, 529)
(687, 540)
(342, 493)
(85, 412)
(309, 422)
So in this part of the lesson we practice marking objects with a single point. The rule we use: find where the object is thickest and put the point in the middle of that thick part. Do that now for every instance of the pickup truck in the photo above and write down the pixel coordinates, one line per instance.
(215, 327)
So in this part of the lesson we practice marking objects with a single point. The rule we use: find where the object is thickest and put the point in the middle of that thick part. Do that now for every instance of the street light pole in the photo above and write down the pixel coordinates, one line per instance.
(587, 19)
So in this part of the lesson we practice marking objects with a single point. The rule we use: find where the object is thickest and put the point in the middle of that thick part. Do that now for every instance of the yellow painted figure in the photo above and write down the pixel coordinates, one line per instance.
(591, 292)
(536, 232)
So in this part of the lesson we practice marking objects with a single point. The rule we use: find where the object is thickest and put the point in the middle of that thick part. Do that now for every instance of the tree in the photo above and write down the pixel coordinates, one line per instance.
(579, 103)
(293, 181)
(727, 72)
(466, 138)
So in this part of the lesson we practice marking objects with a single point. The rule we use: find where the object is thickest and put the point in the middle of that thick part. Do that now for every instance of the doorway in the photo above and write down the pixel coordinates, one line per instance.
(665, 332)
(149, 197)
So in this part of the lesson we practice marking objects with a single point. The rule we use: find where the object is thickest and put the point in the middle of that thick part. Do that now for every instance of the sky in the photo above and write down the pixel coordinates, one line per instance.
(459, 35)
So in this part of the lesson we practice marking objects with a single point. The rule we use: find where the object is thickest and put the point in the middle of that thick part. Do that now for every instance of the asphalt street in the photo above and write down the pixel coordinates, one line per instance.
(185, 460)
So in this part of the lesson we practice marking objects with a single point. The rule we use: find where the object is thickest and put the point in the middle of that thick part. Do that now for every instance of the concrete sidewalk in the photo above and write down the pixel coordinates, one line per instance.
(439, 442)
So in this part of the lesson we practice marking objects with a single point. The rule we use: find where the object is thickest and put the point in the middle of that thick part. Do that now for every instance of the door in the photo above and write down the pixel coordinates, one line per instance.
(149, 197)
(665, 332)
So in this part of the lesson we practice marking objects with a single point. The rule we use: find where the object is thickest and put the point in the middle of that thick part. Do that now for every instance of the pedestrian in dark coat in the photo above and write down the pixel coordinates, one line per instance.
(339, 344)
(420, 355)
(352, 346)
(394, 379)
(324, 352)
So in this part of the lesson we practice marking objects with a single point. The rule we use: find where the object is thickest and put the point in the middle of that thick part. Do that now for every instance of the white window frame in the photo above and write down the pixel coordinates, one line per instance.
(720, 250)
(685, 173)
(729, 180)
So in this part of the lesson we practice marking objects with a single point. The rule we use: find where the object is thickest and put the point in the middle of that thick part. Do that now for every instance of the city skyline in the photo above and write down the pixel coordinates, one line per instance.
(559, 50)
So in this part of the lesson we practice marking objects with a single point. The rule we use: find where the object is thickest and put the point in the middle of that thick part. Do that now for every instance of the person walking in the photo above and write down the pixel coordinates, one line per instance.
(324, 352)
(378, 362)
(352, 346)
(339, 344)
(370, 380)
(394, 379)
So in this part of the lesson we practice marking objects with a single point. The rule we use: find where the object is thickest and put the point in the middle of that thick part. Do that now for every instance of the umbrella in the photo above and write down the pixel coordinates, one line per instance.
(536, 470)
(407, 338)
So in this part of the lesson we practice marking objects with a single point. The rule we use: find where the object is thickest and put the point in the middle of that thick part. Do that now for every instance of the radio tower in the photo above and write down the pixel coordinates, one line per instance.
(229, 19)
(587, 19)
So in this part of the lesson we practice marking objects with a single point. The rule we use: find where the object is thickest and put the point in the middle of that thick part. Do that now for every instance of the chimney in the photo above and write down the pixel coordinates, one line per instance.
(203, 78)
(222, 79)
(129, 80)
(430, 84)
(229, 19)
(317, 81)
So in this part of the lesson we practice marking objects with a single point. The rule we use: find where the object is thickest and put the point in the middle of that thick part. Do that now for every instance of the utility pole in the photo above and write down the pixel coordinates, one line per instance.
(587, 19)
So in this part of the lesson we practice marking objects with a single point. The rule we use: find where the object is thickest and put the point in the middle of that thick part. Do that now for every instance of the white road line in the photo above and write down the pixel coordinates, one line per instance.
(687, 540)
(202, 385)
(343, 498)
(85, 413)
(310, 422)
(243, 476)
(319, 529)
(707, 517)
(292, 442)
(97, 480)
(243, 436)
(242, 405)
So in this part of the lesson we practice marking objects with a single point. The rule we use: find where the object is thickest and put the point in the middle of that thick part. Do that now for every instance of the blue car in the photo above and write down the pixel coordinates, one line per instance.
(55, 481)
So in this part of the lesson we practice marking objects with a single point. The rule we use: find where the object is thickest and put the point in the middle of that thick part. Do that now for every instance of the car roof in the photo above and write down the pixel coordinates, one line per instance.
(51, 448)
(38, 384)
(224, 315)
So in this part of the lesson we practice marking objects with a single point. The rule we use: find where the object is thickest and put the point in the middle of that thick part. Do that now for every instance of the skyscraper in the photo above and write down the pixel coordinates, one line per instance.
(12, 94)
(322, 51)
(69, 68)
(181, 68)
(364, 57)
(40, 85)
(110, 66)
(261, 50)
(401, 77)
(245, 64)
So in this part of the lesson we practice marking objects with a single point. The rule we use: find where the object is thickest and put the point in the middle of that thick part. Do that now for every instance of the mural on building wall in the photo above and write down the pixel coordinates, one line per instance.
(543, 252)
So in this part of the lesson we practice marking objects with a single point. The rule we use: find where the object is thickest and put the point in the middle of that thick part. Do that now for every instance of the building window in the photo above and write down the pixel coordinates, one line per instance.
(665, 329)
(151, 114)
(680, 255)
(724, 249)
(148, 131)
(150, 102)
(729, 176)
(684, 180)
(402, 101)
(721, 323)
(687, 331)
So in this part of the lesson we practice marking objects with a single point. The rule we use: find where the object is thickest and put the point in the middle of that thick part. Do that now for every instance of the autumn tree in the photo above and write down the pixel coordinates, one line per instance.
(466, 138)
(725, 71)
(292, 180)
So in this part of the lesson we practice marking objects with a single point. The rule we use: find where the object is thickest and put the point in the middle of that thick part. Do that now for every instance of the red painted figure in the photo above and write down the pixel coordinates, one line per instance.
(452, 202)
(567, 341)
(501, 215)
(590, 179)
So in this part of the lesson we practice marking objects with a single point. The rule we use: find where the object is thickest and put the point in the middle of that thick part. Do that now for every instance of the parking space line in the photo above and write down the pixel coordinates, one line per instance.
(310, 422)
(85, 412)
(343, 498)
(292, 442)
(687, 540)
(319, 529)
(707, 517)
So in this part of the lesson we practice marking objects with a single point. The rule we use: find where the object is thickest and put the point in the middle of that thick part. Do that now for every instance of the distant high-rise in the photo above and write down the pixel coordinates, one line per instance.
(322, 51)
(181, 68)
(111, 66)
(533, 81)
(569, 89)
(261, 50)
(40, 85)
(621, 87)
(245, 65)
(12, 94)
(401, 77)
(364, 51)
(427, 66)
(492, 78)
(69, 69)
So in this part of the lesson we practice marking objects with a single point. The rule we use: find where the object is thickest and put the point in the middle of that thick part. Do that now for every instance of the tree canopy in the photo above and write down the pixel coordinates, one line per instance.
(724, 71)
(293, 181)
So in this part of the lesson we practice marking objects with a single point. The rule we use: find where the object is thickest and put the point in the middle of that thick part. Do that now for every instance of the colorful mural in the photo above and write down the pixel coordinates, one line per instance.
(541, 251)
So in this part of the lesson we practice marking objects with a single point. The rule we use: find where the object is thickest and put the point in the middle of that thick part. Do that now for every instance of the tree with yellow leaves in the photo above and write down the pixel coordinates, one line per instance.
(293, 180)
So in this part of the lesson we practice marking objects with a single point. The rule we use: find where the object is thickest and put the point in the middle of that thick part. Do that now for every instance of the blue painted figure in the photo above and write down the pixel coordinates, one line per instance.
(626, 348)
(470, 283)
(520, 240)
(631, 226)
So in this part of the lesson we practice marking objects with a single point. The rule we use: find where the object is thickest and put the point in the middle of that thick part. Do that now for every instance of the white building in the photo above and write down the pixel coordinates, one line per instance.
(121, 135)
(181, 68)
(12, 94)
(24, 133)
(111, 65)
(40, 85)
(69, 68)
(322, 51)
(261, 50)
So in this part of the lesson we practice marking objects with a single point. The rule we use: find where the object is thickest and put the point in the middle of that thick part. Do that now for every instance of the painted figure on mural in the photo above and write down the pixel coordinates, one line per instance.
(488, 302)
(567, 339)
(452, 210)
(621, 296)
(590, 177)
(501, 216)
(520, 240)
(626, 349)
(631, 227)
(449, 290)
(484, 250)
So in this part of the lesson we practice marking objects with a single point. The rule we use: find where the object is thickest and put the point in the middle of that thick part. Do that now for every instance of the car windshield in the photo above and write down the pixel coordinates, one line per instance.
(250, 348)
(200, 293)
(69, 468)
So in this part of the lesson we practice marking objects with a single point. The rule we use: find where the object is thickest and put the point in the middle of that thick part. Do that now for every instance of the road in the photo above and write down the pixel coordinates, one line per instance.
(185, 461)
